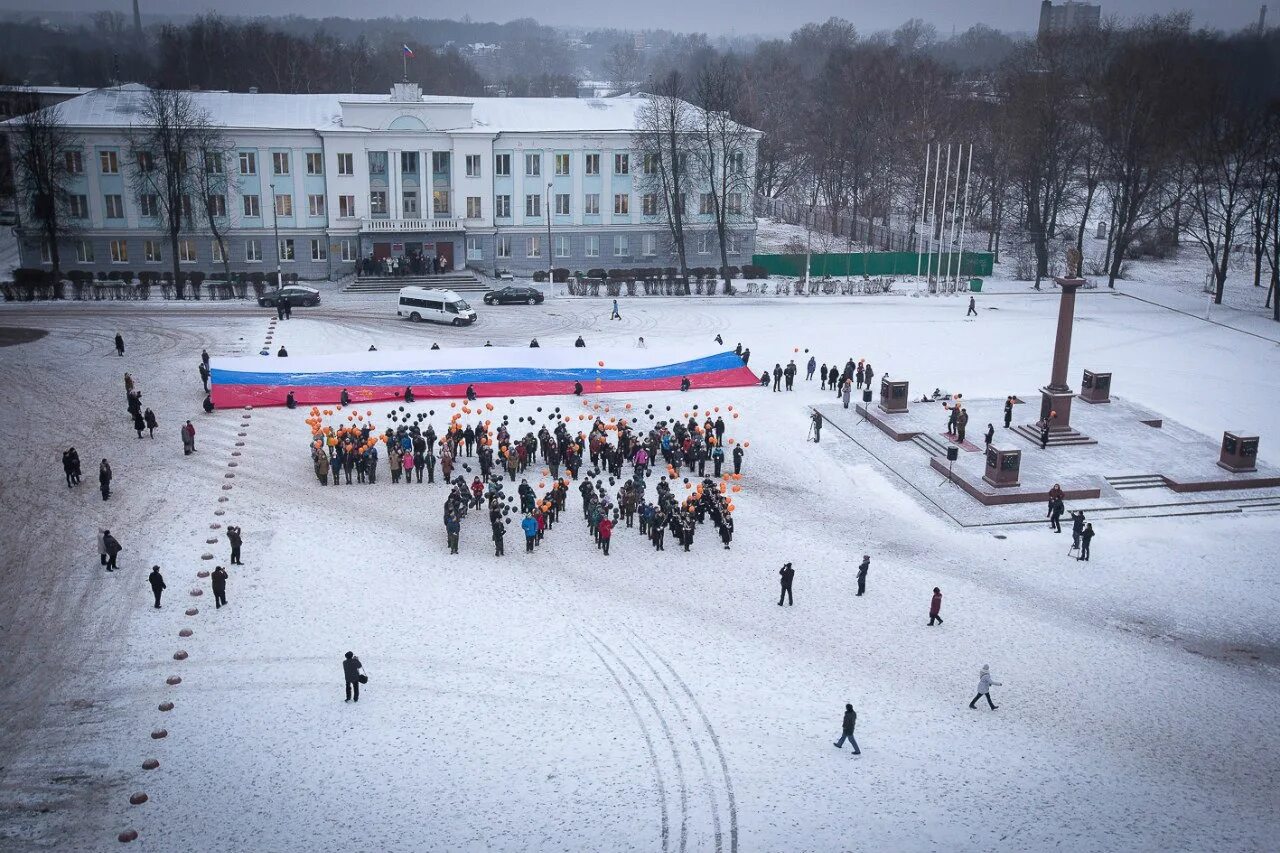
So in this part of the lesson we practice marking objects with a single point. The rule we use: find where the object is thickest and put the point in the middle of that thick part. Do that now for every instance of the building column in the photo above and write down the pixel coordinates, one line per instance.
(394, 185)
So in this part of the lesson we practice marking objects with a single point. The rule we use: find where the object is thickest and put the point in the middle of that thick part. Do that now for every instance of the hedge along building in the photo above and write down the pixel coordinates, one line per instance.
(492, 183)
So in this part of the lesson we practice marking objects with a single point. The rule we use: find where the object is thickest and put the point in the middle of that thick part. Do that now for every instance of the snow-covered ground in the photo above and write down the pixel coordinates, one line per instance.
(644, 701)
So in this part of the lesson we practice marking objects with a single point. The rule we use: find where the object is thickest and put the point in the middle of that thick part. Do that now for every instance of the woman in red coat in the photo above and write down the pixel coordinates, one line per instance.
(605, 529)
(935, 607)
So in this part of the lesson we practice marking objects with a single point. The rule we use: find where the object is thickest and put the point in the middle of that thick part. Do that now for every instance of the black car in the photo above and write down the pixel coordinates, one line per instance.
(514, 295)
(292, 294)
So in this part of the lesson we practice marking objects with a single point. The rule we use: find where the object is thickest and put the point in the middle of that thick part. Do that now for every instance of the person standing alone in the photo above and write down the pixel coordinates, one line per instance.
(935, 607)
(111, 547)
(862, 573)
(351, 667)
(787, 575)
(1086, 536)
(119, 345)
(973, 308)
(157, 584)
(984, 688)
(846, 730)
(219, 581)
(233, 536)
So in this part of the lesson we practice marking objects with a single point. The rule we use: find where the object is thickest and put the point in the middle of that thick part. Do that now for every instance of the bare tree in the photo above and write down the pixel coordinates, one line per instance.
(165, 147)
(664, 135)
(623, 65)
(41, 146)
(724, 152)
(215, 180)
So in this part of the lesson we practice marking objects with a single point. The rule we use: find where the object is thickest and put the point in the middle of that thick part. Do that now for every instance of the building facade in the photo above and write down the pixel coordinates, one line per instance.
(321, 181)
(1068, 17)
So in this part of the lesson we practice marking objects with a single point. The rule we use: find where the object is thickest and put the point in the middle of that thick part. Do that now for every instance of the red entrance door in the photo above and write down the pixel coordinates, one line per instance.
(381, 250)
(444, 250)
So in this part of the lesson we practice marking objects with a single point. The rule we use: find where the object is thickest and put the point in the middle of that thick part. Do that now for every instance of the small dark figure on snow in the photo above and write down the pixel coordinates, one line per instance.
(111, 548)
(787, 574)
(990, 434)
(282, 352)
(862, 573)
(1077, 528)
(684, 383)
(846, 730)
(351, 674)
(149, 418)
(157, 584)
(104, 479)
(204, 376)
(533, 344)
(1008, 411)
(208, 404)
(816, 419)
(577, 388)
(1086, 536)
(935, 607)
(188, 438)
(119, 345)
(233, 536)
(973, 308)
(579, 342)
(219, 581)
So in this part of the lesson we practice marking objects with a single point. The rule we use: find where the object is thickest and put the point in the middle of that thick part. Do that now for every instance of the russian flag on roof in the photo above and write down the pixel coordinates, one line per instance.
(493, 371)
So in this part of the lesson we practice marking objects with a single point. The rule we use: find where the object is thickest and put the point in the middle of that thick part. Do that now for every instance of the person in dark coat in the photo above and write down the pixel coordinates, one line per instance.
(777, 377)
(1008, 411)
(157, 584)
(1086, 536)
(579, 342)
(499, 531)
(119, 345)
(1077, 528)
(351, 667)
(408, 394)
(846, 730)
(1044, 433)
(282, 352)
(935, 607)
(471, 393)
(138, 423)
(737, 459)
(990, 434)
(149, 418)
(577, 388)
(204, 376)
(816, 418)
(862, 573)
(973, 308)
(104, 479)
(344, 398)
(208, 404)
(204, 357)
(787, 574)
(69, 464)
(219, 581)
(1056, 509)
(111, 547)
(233, 536)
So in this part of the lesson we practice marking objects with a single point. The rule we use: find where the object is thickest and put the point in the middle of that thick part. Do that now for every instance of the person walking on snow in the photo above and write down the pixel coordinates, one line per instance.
(984, 688)
(615, 315)
(530, 528)
(973, 309)
(787, 575)
(119, 345)
(351, 667)
(233, 536)
(862, 573)
(846, 730)
(219, 581)
(813, 365)
(935, 607)
(104, 479)
(157, 584)
(188, 439)
(149, 418)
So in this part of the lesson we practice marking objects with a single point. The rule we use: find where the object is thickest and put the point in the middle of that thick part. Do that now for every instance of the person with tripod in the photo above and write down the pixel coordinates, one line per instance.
(815, 427)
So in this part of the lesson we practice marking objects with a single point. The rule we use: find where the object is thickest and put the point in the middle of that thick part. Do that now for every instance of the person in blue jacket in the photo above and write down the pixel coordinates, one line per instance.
(530, 527)
(335, 462)
(717, 459)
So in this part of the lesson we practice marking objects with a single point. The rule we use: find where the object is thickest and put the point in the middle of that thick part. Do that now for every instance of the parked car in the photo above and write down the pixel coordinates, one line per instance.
(292, 295)
(514, 295)
(435, 306)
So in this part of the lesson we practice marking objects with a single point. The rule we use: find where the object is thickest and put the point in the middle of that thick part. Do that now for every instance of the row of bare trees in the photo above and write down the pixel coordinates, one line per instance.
(1161, 133)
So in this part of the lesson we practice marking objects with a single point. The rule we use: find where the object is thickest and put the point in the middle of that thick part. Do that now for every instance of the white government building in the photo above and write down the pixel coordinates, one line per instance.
(344, 177)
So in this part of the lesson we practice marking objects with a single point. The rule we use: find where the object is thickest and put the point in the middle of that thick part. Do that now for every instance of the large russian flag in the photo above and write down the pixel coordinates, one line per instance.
(494, 371)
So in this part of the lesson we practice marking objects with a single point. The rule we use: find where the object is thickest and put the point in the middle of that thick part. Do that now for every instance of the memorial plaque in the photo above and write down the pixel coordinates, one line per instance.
(893, 396)
(1239, 452)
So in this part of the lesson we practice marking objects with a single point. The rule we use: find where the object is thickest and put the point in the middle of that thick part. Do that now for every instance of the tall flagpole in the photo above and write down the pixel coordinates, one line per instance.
(964, 216)
(955, 204)
(933, 208)
(924, 194)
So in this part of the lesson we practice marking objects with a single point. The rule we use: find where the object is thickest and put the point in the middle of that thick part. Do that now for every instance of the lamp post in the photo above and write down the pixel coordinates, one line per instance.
(275, 229)
(550, 275)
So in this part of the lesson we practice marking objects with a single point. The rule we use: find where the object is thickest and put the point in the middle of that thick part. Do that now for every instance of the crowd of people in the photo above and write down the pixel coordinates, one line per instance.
(410, 263)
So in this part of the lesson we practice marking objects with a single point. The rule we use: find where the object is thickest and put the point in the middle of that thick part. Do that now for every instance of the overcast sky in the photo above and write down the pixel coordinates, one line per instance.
(742, 17)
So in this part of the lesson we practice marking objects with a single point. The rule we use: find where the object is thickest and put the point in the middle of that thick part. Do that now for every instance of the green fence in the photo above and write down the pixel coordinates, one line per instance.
(875, 263)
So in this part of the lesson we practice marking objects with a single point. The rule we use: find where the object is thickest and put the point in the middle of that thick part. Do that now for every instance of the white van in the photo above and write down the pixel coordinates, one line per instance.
(436, 306)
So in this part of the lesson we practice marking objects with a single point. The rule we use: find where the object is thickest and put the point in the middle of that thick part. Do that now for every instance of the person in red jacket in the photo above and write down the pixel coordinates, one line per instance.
(934, 607)
(605, 529)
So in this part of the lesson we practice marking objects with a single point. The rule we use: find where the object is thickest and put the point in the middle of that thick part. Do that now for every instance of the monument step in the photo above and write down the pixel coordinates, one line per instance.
(930, 444)
(1057, 437)
(1132, 482)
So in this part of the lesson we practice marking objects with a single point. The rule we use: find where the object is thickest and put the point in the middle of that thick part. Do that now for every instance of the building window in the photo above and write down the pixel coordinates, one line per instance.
(704, 204)
(346, 206)
(286, 250)
(737, 162)
(74, 164)
(562, 204)
(533, 205)
(409, 202)
(315, 205)
(78, 206)
(620, 247)
(279, 162)
(591, 246)
(650, 165)
(151, 251)
(591, 204)
(46, 256)
(533, 164)
(248, 163)
(648, 245)
(533, 246)
(591, 164)
(213, 164)
(409, 162)
(149, 205)
(502, 207)
(731, 243)
(146, 162)
(119, 252)
(217, 206)
(319, 250)
(473, 165)
(440, 163)
(473, 207)
(622, 164)
(562, 164)
(315, 163)
(84, 252)
(253, 251)
(252, 207)
(704, 243)
(474, 252)
(346, 163)
(677, 202)
(733, 202)
(440, 203)
(186, 251)
(110, 162)
(284, 205)
(377, 163)
(621, 204)
(216, 251)
(348, 249)
(185, 203)
(649, 204)
(502, 165)
(378, 203)
(562, 245)
(503, 246)
(114, 206)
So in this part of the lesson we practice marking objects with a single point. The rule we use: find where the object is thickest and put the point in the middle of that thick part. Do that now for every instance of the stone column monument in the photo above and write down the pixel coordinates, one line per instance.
(1055, 398)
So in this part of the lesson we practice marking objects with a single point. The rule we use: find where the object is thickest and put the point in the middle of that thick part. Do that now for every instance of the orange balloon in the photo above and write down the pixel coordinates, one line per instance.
(453, 405)
(730, 408)
(737, 488)
(746, 444)
(600, 363)
(542, 485)
(735, 415)
(628, 407)
(717, 408)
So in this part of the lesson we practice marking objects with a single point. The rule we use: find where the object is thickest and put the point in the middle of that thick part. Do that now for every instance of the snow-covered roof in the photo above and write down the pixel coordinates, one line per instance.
(119, 107)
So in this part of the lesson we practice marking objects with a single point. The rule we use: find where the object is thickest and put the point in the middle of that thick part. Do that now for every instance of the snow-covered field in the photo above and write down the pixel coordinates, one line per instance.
(644, 701)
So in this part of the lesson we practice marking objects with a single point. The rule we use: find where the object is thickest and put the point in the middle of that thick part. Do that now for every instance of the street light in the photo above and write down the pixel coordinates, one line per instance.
(275, 229)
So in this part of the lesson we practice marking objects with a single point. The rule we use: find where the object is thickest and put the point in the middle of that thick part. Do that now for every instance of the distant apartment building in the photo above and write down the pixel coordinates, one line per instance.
(1058, 18)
